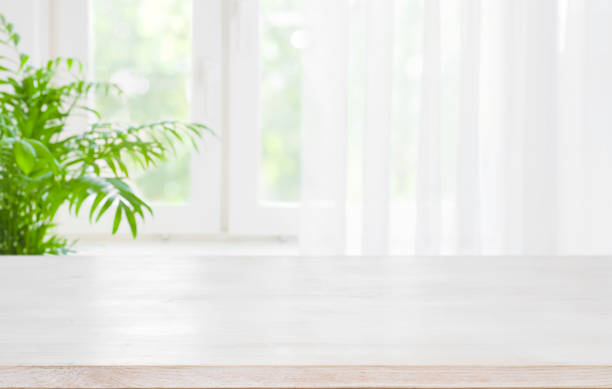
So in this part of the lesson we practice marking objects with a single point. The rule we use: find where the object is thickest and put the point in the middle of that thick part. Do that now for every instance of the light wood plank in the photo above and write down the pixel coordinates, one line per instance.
(540, 319)
(324, 377)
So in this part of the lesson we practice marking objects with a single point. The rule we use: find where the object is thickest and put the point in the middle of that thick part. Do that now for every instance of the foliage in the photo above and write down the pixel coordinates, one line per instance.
(44, 163)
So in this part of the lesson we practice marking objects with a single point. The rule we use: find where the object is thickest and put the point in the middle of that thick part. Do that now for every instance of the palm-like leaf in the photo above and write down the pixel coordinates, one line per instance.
(43, 168)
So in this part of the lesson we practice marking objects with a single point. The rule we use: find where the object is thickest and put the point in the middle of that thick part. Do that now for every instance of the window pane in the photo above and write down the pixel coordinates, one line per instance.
(281, 38)
(145, 47)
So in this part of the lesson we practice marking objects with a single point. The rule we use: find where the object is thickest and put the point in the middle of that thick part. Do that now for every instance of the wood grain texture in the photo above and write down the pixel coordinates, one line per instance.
(539, 320)
(324, 377)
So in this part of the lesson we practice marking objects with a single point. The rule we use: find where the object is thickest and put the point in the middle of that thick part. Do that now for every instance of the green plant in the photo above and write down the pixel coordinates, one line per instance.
(44, 163)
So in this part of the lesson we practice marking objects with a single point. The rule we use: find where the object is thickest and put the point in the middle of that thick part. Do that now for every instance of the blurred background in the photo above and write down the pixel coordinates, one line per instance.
(354, 126)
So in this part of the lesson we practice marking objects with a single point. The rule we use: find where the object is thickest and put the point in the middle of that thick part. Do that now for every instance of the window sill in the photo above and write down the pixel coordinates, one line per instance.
(149, 246)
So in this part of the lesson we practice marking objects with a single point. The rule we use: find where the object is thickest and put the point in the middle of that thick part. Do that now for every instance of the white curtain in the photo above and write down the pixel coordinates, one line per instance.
(457, 127)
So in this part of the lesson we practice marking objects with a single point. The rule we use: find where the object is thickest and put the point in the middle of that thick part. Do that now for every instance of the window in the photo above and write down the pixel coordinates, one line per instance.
(144, 46)
(168, 69)
(281, 38)
(263, 123)
(235, 65)
(457, 88)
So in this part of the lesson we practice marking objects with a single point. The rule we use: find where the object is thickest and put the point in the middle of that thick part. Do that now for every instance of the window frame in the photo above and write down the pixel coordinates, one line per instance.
(226, 187)
(248, 213)
(73, 18)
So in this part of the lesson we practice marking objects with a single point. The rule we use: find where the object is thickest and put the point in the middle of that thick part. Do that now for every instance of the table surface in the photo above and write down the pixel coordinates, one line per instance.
(305, 322)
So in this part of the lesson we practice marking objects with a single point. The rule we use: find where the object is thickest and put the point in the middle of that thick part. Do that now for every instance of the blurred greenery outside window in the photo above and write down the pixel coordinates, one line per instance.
(281, 38)
(145, 47)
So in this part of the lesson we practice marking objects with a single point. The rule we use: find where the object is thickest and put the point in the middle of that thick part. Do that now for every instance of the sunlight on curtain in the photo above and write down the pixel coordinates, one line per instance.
(377, 126)
(484, 127)
(324, 127)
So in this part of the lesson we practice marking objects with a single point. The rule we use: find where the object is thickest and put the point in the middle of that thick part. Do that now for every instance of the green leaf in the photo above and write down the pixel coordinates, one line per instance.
(25, 156)
(79, 203)
(104, 208)
(129, 215)
(15, 38)
(119, 184)
(122, 166)
(99, 197)
(23, 59)
(117, 219)
(43, 153)
(88, 109)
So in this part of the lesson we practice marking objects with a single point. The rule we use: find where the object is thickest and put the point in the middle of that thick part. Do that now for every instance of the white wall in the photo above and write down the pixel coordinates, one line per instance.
(31, 20)
(50, 28)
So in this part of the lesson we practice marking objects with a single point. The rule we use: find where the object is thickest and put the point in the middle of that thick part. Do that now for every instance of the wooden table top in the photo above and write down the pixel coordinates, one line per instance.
(333, 322)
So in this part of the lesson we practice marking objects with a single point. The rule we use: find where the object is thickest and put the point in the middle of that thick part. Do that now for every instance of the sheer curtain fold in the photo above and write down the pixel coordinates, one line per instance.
(428, 181)
(377, 126)
(540, 127)
(597, 123)
(324, 127)
(573, 223)
(512, 135)
(512, 35)
(468, 166)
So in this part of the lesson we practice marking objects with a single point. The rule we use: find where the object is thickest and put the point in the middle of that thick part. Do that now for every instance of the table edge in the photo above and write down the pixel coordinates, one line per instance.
(303, 377)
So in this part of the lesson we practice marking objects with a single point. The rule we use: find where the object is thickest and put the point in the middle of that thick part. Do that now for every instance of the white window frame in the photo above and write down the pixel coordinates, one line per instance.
(226, 187)
(201, 215)
(248, 213)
